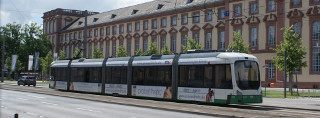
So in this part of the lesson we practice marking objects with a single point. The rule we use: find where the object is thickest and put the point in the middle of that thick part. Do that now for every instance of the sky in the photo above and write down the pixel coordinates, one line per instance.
(28, 11)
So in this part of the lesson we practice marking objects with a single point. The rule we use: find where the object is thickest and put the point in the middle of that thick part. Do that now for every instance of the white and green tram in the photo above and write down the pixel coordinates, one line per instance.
(223, 77)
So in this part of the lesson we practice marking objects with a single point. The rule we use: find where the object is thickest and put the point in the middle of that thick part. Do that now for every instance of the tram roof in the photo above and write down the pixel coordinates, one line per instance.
(60, 63)
(87, 62)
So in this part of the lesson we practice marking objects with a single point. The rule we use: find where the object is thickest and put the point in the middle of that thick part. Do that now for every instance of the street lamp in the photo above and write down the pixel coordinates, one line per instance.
(265, 88)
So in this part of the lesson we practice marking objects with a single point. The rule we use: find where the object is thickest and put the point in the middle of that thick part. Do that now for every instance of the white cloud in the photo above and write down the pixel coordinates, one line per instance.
(26, 11)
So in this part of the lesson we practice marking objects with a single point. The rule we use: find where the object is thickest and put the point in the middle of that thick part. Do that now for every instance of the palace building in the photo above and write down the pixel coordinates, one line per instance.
(210, 22)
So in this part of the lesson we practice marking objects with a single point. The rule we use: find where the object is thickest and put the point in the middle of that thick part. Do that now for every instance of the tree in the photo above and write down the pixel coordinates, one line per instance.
(45, 62)
(139, 52)
(62, 55)
(165, 50)
(238, 43)
(152, 49)
(97, 53)
(76, 53)
(191, 45)
(121, 52)
(295, 53)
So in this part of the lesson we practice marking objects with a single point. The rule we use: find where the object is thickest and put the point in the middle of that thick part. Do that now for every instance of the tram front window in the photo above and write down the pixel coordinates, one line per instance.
(247, 75)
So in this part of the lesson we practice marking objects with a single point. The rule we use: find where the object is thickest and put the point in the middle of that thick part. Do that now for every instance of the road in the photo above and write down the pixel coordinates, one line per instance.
(32, 105)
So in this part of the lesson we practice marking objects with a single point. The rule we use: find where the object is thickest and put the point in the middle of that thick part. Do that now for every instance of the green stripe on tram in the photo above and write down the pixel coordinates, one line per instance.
(243, 99)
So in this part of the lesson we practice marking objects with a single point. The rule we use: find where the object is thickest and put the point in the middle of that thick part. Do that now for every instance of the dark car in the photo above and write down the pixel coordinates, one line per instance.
(27, 80)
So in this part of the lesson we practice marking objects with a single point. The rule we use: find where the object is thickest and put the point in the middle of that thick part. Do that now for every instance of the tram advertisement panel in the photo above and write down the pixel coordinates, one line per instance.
(196, 94)
(88, 87)
(116, 88)
(61, 85)
(152, 91)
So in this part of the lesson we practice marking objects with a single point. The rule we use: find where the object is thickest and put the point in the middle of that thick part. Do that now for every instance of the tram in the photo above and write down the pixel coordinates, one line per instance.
(222, 77)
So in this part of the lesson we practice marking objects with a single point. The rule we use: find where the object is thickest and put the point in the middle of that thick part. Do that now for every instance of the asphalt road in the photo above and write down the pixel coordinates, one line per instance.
(32, 105)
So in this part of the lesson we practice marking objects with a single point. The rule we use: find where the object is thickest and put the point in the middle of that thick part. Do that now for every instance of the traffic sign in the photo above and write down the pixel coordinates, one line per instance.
(226, 13)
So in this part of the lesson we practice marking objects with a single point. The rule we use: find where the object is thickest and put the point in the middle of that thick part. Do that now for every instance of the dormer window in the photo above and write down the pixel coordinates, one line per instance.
(113, 16)
(80, 22)
(95, 19)
(160, 6)
(189, 1)
(134, 12)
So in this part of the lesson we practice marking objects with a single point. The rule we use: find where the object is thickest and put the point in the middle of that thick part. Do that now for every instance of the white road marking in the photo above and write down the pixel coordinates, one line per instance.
(3, 107)
(48, 103)
(36, 96)
(33, 114)
(83, 109)
(21, 99)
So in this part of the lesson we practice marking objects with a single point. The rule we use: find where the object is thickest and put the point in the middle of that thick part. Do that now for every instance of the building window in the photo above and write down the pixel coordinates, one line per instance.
(238, 31)
(196, 17)
(70, 36)
(101, 31)
(174, 20)
(271, 5)
(271, 71)
(154, 24)
(90, 33)
(221, 40)
(237, 10)
(253, 37)
(154, 39)
(271, 35)
(145, 45)
(184, 40)
(101, 46)
(221, 13)
(316, 46)
(145, 25)
(108, 30)
(315, 1)
(121, 29)
(75, 35)
(129, 47)
(114, 48)
(208, 40)
(253, 8)
(208, 15)
(173, 43)
(196, 37)
(114, 30)
(163, 42)
(184, 19)
(129, 27)
(137, 26)
(95, 32)
(163, 22)
(66, 37)
(108, 49)
(137, 44)
(295, 2)
(121, 43)
(80, 35)
(297, 29)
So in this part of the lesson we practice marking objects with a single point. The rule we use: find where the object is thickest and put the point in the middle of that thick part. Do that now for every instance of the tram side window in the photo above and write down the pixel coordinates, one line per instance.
(61, 74)
(195, 76)
(183, 81)
(116, 75)
(223, 77)
(138, 75)
(74, 74)
(208, 77)
(155, 76)
(95, 75)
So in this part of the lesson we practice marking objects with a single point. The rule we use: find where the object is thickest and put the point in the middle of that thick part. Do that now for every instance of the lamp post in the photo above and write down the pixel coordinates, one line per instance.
(3, 52)
(265, 88)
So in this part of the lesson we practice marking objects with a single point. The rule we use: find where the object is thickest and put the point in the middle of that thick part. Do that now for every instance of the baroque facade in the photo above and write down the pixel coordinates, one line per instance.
(210, 22)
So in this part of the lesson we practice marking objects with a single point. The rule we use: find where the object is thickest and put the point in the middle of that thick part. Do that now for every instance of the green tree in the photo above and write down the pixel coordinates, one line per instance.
(97, 53)
(295, 53)
(238, 43)
(45, 62)
(62, 55)
(76, 53)
(152, 49)
(165, 50)
(139, 52)
(121, 52)
(191, 45)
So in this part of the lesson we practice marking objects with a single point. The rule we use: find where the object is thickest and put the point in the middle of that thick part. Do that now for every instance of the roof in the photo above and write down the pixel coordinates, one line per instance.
(144, 9)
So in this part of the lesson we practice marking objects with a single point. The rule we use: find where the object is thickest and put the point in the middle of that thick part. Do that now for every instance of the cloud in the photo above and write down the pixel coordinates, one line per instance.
(26, 11)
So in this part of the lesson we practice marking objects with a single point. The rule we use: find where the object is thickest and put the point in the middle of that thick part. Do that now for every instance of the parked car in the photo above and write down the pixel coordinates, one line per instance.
(27, 80)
